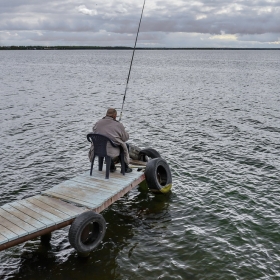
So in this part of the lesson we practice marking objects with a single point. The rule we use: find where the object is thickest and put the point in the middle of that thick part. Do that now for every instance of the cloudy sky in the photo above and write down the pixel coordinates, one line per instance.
(175, 23)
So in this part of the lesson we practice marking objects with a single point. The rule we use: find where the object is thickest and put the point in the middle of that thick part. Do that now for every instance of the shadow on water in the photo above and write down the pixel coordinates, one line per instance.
(138, 211)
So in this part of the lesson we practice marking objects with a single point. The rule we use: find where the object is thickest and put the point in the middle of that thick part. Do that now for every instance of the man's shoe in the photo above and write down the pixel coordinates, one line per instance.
(113, 169)
(128, 170)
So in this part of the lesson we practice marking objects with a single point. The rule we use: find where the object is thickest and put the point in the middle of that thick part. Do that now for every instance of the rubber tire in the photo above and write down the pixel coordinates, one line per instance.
(80, 225)
(149, 152)
(158, 175)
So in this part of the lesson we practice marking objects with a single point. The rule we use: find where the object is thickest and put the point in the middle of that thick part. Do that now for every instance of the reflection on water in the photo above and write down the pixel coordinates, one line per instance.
(213, 115)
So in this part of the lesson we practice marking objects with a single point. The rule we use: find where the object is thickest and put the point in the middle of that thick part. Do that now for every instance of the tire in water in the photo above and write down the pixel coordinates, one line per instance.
(86, 232)
(149, 152)
(158, 175)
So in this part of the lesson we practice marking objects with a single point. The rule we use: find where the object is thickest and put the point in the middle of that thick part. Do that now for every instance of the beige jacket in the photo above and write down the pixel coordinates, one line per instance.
(116, 132)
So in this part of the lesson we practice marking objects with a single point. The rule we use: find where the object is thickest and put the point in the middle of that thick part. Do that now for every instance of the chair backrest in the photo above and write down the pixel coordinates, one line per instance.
(100, 143)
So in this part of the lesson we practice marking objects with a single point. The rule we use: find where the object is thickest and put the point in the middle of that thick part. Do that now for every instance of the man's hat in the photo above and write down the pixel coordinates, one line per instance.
(111, 112)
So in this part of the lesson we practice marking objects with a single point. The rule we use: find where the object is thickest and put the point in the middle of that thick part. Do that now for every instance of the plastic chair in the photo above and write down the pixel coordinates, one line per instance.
(99, 142)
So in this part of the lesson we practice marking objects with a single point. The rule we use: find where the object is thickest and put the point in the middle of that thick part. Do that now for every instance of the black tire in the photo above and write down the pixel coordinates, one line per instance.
(158, 175)
(87, 231)
(149, 152)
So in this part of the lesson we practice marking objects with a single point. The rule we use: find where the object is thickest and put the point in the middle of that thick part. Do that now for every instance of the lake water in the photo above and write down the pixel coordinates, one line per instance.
(213, 115)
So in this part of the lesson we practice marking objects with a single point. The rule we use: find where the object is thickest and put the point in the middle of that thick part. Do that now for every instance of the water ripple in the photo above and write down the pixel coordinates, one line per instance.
(213, 115)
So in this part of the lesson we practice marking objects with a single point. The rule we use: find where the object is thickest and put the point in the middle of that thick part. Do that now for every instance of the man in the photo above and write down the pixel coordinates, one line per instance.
(113, 129)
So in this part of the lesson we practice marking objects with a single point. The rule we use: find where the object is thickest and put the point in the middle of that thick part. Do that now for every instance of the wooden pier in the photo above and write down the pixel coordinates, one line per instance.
(58, 207)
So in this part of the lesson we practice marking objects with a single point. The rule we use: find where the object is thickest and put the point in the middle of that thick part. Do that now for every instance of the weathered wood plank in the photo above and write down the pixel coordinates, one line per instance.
(72, 199)
(98, 188)
(90, 190)
(76, 193)
(109, 182)
(99, 184)
(85, 189)
(10, 235)
(40, 211)
(80, 195)
(50, 209)
(15, 220)
(138, 162)
(113, 176)
(73, 184)
(92, 182)
(62, 206)
(99, 180)
(38, 216)
(3, 239)
(24, 217)
(11, 222)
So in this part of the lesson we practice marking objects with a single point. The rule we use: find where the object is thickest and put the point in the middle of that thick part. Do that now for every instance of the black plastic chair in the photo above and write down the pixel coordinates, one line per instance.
(100, 149)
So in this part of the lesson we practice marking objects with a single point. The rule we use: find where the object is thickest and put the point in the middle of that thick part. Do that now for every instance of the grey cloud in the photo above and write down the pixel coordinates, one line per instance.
(119, 18)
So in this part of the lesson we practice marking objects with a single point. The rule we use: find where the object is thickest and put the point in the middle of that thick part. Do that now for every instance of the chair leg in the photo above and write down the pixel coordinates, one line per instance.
(108, 164)
(100, 163)
(122, 163)
(91, 166)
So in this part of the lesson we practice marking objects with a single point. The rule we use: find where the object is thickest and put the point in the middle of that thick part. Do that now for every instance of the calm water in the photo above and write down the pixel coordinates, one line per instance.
(213, 115)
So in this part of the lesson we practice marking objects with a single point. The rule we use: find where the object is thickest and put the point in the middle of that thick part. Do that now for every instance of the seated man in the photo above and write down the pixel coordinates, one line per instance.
(113, 129)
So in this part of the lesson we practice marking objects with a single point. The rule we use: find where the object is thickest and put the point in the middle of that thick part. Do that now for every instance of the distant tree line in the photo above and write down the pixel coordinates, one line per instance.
(116, 48)
(59, 48)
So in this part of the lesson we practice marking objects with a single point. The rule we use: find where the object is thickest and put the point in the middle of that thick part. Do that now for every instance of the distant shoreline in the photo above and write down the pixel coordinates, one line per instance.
(117, 48)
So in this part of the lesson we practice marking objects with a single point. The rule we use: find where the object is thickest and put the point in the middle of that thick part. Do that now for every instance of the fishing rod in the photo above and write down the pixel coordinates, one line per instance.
(131, 61)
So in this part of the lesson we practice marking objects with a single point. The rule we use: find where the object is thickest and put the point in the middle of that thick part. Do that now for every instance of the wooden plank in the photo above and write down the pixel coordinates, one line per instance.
(121, 181)
(62, 206)
(71, 199)
(100, 180)
(10, 222)
(137, 162)
(98, 189)
(24, 225)
(112, 181)
(95, 192)
(24, 217)
(84, 196)
(117, 177)
(38, 216)
(92, 180)
(133, 166)
(76, 193)
(8, 233)
(99, 184)
(3, 239)
(46, 207)
(98, 194)
(40, 211)
(80, 194)
(113, 176)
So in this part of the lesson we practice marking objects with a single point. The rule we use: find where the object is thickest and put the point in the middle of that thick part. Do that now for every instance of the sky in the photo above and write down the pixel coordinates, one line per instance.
(167, 24)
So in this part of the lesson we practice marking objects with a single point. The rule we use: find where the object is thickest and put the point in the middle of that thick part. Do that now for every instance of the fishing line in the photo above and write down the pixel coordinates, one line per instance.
(131, 61)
